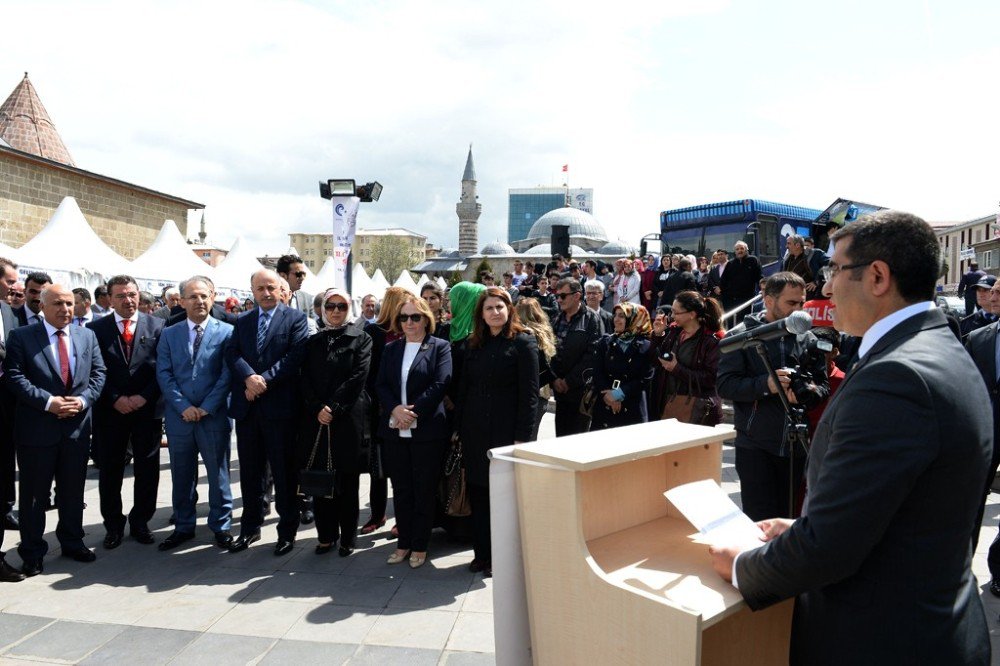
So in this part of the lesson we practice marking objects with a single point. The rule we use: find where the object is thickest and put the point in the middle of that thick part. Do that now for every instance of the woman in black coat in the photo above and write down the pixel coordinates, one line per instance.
(333, 374)
(622, 370)
(413, 376)
(499, 389)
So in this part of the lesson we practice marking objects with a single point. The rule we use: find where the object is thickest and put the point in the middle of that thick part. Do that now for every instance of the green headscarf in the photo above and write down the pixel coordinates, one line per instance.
(463, 297)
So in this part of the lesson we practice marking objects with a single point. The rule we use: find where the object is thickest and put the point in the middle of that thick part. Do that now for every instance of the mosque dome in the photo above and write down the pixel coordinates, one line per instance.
(582, 225)
(545, 250)
(617, 247)
(497, 248)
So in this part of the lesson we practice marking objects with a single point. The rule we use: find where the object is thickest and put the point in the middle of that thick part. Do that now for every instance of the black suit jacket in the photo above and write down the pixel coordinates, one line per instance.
(574, 359)
(277, 362)
(31, 372)
(9, 321)
(135, 376)
(880, 559)
(426, 384)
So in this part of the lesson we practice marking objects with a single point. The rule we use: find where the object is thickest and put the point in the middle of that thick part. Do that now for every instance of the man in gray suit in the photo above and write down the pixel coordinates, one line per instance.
(293, 270)
(982, 346)
(880, 560)
(56, 372)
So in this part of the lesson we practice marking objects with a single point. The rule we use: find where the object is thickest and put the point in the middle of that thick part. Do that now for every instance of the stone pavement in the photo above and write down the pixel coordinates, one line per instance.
(198, 604)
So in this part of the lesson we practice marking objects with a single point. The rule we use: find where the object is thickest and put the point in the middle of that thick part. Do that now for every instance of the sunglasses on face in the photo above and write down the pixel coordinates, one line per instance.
(299, 274)
(415, 318)
(566, 295)
(338, 307)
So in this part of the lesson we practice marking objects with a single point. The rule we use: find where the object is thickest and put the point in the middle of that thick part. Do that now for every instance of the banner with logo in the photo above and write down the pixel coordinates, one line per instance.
(345, 221)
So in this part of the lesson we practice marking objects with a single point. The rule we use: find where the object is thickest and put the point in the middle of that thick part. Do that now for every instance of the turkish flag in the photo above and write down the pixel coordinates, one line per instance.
(565, 168)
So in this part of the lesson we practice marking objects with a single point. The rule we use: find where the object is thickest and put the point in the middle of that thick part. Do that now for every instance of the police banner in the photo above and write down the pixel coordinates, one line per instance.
(345, 221)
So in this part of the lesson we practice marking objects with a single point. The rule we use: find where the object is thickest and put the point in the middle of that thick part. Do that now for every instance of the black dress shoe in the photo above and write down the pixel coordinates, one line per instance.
(143, 536)
(32, 568)
(81, 554)
(243, 541)
(995, 587)
(324, 549)
(175, 539)
(307, 517)
(9, 574)
(112, 540)
(10, 522)
(224, 539)
(283, 548)
(344, 551)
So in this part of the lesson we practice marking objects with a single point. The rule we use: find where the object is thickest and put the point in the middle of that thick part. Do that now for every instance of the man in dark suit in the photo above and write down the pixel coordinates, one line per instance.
(714, 281)
(880, 560)
(56, 372)
(740, 278)
(130, 410)
(102, 302)
(8, 496)
(263, 356)
(982, 346)
(31, 313)
(192, 373)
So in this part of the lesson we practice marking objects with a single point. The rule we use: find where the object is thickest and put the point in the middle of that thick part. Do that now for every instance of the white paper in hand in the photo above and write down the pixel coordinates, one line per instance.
(715, 516)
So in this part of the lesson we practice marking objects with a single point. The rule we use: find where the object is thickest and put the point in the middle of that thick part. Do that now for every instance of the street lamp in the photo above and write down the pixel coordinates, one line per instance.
(345, 188)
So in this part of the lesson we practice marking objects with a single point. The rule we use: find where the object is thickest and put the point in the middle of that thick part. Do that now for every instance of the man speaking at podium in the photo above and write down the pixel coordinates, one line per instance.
(880, 560)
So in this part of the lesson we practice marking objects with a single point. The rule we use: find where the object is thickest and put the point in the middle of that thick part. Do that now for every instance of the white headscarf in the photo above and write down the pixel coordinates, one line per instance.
(347, 299)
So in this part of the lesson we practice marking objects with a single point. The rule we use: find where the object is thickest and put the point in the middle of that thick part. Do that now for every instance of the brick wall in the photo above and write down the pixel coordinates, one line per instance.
(128, 220)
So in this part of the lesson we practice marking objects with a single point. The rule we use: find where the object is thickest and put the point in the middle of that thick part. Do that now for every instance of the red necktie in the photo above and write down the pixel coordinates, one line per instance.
(64, 372)
(127, 336)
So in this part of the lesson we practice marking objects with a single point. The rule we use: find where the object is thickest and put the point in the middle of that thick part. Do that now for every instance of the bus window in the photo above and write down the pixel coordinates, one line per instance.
(767, 249)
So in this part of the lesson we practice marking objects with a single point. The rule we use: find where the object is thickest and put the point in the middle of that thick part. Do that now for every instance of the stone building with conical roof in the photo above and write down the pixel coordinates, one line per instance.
(37, 173)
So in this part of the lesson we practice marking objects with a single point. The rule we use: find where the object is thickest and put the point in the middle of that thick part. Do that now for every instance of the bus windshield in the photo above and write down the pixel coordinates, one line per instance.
(702, 241)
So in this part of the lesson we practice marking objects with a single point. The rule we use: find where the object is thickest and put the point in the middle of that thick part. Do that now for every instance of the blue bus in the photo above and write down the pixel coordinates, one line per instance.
(836, 215)
(764, 225)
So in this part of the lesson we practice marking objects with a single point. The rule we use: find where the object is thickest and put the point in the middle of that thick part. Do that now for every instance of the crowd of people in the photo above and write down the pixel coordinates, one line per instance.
(315, 390)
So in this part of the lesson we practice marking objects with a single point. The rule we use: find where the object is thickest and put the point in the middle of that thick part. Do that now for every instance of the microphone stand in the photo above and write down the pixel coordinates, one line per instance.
(797, 431)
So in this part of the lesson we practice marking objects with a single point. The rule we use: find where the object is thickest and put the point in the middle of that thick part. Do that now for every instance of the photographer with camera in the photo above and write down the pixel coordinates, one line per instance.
(768, 466)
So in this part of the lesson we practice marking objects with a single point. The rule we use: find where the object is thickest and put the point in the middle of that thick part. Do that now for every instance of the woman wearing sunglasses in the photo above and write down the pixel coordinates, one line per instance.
(413, 376)
(333, 389)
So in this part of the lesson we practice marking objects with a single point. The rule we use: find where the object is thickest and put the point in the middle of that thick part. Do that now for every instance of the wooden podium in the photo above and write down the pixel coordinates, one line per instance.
(612, 573)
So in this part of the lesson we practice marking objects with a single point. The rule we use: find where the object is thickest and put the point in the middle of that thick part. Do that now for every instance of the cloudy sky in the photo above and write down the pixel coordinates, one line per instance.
(245, 106)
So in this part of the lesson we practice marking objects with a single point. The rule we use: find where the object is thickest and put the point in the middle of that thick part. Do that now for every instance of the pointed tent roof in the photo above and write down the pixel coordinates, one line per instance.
(26, 126)
(470, 170)
(379, 283)
(361, 284)
(68, 243)
(326, 271)
(442, 283)
(235, 270)
(422, 281)
(169, 258)
(405, 280)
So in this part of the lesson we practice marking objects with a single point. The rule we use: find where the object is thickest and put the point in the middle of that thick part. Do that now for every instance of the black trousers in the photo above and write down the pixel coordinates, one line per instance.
(337, 516)
(479, 498)
(569, 420)
(378, 498)
(263, 441)
(539, 413)
(114, 432)
(8, 494)
(415, 469)
(764, 482)
(66, 463)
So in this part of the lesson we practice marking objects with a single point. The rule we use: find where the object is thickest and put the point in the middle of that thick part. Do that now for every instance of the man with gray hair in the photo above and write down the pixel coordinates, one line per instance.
(593, 294)
(194, 378)
(739, 281)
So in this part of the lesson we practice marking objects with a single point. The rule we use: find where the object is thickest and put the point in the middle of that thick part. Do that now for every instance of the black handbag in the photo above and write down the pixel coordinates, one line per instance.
(319, 482)
(453, 491)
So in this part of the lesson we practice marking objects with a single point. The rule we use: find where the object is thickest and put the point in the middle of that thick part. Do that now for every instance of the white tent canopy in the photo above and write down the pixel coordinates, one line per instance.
(422, 281)
(441, 283)
(406, 282)
(232, 276)
(69, 244)
(326, 272)
(361, 284)
(169, 260)
(311, 284)
(379, 283)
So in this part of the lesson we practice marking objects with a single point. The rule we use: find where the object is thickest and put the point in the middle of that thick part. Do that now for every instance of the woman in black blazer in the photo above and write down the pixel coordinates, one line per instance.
(499, 389)
(413, 376)
(333, 373)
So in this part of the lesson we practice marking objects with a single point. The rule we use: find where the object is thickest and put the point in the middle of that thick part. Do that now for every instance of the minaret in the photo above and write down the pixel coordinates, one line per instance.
(201, 232)
(468, 209)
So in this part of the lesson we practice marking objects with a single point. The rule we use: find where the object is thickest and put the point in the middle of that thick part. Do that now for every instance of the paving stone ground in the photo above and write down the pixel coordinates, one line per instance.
(200, 605)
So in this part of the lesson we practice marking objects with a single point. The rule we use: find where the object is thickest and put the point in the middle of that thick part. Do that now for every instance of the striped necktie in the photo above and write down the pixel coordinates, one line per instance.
(265, 321)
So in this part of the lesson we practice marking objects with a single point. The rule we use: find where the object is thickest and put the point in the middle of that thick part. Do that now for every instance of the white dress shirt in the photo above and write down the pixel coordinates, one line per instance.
(50, 331)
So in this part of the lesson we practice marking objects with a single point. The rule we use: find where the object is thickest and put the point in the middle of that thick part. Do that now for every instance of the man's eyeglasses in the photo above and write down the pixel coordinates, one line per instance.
(415, 318)
(299, 274)
(830, 270)
(16, 294)
(565, 295)
(335, 307)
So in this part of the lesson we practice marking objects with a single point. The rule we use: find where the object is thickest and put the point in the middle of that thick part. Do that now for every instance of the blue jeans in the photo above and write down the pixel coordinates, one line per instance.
(212, 443)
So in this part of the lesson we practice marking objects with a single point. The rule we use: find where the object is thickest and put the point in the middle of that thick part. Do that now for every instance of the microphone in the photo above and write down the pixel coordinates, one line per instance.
(793, 324)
